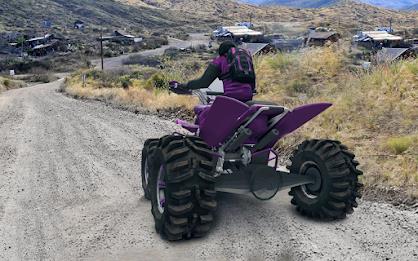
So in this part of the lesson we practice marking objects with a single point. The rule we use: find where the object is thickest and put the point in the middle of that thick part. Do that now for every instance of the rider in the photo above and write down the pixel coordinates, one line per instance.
(218, 68)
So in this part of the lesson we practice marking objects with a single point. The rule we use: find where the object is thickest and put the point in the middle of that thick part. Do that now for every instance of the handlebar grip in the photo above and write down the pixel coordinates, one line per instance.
(210, 93)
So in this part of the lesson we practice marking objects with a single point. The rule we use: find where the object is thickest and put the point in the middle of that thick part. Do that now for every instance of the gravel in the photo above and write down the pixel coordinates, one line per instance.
(70, 190)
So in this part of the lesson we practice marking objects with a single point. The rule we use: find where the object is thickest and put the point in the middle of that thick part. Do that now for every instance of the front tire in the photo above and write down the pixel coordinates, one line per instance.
(149, 148)
(182, 187)
(336, 189)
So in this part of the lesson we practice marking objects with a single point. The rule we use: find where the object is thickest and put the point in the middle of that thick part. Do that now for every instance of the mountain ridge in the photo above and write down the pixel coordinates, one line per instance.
(397, 5)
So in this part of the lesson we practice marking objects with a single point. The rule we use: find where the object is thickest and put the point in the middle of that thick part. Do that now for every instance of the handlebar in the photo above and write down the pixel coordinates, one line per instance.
(212, 93)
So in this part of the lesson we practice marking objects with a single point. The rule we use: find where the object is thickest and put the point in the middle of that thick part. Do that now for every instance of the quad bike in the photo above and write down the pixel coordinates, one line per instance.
(230, 149)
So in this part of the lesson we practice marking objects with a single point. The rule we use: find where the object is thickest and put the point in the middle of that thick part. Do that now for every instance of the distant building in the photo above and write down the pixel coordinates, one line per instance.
(121, 37)
(287, 45)
(237, 34)
(32, 42)
(246, 24)
(258, 48)
(79, 25)
(385, 29)
(388, 55)
(44, 49)
(47, 24)
(377, 39)
(316, 38)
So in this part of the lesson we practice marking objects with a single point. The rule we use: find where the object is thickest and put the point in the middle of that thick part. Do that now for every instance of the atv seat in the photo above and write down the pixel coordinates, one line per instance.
(252, 102)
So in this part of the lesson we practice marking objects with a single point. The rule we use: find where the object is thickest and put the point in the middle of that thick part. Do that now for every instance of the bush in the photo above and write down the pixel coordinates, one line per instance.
(44, 78)
(157, 81)
(125, 81)
(399, 145)
(150, 61)
(6, 83)
(172, 52)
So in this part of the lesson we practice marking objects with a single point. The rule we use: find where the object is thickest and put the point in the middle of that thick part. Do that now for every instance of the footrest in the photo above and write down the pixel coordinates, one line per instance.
(187, 125)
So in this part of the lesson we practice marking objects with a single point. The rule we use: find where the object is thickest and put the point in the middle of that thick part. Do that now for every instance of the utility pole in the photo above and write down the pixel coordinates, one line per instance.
(251, 18)
(390, 24)
(101, 48)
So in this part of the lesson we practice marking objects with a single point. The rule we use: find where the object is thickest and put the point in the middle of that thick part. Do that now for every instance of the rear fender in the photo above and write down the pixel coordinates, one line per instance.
(299, 116)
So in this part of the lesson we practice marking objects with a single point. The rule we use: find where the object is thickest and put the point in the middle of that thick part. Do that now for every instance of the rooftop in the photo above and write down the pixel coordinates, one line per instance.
(378, 36)
(321, 35)
(254, 48)
(241, 30)
(390, 54)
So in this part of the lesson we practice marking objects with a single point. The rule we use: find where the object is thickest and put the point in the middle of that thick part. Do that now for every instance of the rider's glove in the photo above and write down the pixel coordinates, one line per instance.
(178, 88)
(173, 85)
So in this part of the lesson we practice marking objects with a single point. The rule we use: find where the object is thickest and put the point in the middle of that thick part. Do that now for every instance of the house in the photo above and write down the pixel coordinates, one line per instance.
(121, 37)
(385, 29)
(388, 55)
(44, 49)
(32, 42)
(79, 25)
(246, 24)
(287, 45)
(319, 38)
(258, 48)
(377, 39)
(237, 34)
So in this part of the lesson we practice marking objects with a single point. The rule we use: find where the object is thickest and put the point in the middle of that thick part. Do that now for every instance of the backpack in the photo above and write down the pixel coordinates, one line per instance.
(241, 67)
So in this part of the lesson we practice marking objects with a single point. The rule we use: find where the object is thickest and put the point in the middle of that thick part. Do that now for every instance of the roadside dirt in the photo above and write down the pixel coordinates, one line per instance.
(70, 190)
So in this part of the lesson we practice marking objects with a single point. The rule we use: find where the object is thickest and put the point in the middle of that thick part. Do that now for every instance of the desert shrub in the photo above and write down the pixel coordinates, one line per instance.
(24, 66)
(172, 52)
(399, 145)
(7, 83)
(155, 42)
(281, 61)
(156, 81)
(182, 36)
(43, 78)
(298, 86)
(125, 81)
(200, 48)
(151, 61)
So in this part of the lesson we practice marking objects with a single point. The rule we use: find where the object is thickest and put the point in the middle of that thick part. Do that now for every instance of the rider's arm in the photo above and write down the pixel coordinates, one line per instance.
(211, 73)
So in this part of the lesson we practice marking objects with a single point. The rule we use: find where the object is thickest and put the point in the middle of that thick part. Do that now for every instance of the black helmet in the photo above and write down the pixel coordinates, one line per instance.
(225, 46)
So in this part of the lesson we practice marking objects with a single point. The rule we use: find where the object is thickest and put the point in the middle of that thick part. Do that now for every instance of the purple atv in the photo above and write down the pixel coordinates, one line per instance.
(230, 150)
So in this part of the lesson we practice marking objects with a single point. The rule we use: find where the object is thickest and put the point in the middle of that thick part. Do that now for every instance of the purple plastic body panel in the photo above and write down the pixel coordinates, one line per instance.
(187, 125)
(299, 116)
(221, 120)
(226, 115)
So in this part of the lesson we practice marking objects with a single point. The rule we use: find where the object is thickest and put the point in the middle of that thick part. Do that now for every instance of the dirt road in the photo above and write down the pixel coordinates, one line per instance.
(69, 190)
(114, 63)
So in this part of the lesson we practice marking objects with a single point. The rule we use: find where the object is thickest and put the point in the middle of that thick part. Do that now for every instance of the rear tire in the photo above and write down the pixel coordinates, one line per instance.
(186, 168)
(149, 148)
(334, 194)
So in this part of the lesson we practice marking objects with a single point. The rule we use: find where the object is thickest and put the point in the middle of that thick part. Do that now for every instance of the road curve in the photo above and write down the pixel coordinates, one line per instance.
(69, 190)
(115, 63)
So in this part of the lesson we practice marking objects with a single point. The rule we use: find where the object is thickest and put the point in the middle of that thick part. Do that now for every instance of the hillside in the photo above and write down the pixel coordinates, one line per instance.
(412, 7)
(28, 15)
(302, 3)
(141, 16)
(402, 4)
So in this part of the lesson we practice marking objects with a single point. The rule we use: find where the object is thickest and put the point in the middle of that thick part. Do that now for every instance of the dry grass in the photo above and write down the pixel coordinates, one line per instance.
(375, 112)
(149, 92)
(8, 84)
